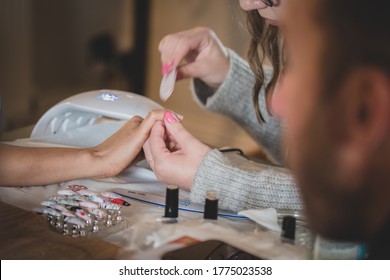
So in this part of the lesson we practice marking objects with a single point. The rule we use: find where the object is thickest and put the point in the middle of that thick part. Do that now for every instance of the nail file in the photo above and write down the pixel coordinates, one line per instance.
(168, 84)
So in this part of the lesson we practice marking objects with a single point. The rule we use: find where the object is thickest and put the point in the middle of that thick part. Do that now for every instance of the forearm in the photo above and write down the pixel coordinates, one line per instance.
(39, 166)
(244, 184)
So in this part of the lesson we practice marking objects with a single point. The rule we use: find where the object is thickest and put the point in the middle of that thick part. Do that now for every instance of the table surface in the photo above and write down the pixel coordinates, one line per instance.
(27, 236)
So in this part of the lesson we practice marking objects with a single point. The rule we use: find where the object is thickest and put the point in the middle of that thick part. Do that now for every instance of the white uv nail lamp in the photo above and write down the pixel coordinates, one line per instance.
(87, 119)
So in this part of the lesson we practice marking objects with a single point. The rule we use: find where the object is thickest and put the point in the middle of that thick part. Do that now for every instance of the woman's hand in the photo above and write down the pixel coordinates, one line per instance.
(122, 148)
(197, 53)
(22, 166)
(173, 153)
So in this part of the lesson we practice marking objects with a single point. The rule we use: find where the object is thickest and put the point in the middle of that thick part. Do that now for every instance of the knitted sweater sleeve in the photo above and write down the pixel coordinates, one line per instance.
(244, 184)
(234, 100)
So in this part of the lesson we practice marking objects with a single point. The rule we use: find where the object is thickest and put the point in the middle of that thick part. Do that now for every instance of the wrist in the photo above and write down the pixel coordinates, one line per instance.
(221, 72)
(97, 163)
(202, 155)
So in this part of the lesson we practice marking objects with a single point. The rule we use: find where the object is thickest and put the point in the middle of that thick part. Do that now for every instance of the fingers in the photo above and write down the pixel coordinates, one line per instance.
(136, 131)
(147, 123)
(133, 123)
(136, 119)
(172, 143)
(176, 130)
(155, 147)
(196, 53)
(163, 141)
(174, 164)
(175, 48)
(193, 70)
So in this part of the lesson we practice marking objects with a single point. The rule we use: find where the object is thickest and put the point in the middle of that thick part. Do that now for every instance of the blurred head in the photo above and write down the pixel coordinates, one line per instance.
(336, 94)
(263, 19)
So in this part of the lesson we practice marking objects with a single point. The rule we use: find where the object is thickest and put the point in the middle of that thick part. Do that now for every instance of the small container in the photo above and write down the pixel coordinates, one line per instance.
(211, 205)
(172, 203)
(304, 237)
(288, 229)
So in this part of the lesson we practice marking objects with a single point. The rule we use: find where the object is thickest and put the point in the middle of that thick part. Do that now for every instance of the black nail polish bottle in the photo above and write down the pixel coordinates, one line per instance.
(171, 204)
(211, 205)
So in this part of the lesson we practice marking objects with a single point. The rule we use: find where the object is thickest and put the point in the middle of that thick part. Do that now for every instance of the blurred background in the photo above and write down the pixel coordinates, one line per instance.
(52, 49)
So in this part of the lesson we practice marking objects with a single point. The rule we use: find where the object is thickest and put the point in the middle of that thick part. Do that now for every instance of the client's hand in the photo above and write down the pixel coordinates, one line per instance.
(21, 166)
(121, 149)
(173, 153)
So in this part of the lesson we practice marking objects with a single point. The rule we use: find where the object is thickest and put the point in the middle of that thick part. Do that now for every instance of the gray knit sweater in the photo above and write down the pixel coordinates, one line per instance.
(244, 184)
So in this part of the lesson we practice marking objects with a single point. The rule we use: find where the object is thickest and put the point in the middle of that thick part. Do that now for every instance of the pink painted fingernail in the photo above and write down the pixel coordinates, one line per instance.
(170, 118)
(167, 68)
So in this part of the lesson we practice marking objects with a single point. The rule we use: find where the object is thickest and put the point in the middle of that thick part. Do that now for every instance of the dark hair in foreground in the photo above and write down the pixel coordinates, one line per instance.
(357, 33)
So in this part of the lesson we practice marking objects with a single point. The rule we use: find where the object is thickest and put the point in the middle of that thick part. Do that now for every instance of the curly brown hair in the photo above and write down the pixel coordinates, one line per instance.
(265, 44)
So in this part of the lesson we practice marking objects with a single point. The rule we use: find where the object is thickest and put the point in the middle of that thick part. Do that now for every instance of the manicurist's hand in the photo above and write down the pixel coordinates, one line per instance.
(197, 53)
(173, 153)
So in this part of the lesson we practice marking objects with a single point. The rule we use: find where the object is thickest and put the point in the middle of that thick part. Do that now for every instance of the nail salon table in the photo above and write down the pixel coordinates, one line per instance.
(25, 236)
(139, 235)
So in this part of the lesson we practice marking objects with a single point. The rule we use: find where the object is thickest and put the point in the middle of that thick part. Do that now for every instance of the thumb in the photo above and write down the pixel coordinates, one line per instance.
(176, 129)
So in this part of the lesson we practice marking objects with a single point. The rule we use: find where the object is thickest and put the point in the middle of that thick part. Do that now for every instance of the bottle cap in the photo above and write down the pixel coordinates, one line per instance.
(288, 227)
(172, 202)
(211, 205)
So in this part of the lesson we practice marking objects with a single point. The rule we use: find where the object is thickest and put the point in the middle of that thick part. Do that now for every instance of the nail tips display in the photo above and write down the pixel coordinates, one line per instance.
(77, 211)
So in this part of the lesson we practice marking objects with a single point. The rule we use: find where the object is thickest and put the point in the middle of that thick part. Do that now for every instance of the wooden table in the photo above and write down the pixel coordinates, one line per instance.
(27, 236)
